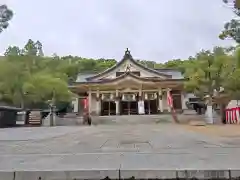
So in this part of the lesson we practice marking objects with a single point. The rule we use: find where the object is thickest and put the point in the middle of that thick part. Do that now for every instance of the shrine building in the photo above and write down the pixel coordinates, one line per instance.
(129, 88)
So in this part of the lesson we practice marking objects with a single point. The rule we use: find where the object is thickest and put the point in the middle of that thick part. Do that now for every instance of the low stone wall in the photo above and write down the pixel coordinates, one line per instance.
(120, 174)
(69, 121)
(57, 121)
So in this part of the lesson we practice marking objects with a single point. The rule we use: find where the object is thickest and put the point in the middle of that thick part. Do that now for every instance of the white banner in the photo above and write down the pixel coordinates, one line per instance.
(141, 109)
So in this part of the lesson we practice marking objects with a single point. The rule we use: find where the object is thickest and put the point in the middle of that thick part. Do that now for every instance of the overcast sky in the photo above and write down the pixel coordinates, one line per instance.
(156, 30)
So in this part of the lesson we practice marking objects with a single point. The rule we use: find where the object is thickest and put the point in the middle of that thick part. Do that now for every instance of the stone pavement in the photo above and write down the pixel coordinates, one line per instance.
(142, 151)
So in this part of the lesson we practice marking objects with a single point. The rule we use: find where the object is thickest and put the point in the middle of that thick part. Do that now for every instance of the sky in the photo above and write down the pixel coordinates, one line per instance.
(157, 30)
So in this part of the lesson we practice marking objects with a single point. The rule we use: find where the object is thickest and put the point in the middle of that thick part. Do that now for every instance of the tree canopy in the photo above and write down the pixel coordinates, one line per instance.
(232, 28)
(27, 77)
(5, 16)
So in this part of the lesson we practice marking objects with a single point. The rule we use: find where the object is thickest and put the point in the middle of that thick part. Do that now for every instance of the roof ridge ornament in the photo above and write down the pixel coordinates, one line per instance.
(127, 54)
(127, 51)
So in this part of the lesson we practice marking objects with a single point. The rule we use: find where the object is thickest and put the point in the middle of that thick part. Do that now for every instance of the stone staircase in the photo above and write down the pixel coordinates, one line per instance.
(132, 119)
(73, 119)
(184, 118)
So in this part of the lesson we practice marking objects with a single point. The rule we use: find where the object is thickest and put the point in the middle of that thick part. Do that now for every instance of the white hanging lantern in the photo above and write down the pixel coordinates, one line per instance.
(111, 96)
(123, 97)
(160, 92)
(103, 96)
(98, 94)
(155, 95)
(134, 97)
(146, 96)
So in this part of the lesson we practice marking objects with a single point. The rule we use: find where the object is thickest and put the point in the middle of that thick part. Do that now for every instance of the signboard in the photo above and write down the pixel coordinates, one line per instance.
(129, 97)
(150, 96)
(35, 118)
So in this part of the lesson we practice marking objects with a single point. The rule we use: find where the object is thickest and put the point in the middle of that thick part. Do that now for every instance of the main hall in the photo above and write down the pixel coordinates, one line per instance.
(129, 88)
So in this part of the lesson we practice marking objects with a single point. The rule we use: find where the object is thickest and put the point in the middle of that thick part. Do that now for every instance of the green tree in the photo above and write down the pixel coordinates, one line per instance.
(30, 48)
(38, 46)
(13, 51)
(149, 64)
(5, 16)
(232, 83)
(12, 80)
(207, 75)
(42, 87)
(234, 4)
(88, 65)
(32, 78)
(103, 64)
(232, 28)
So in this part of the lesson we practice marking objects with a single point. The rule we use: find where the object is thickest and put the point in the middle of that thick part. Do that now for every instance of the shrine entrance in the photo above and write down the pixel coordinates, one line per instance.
(108, 108)
(151, 106)
(128, 107)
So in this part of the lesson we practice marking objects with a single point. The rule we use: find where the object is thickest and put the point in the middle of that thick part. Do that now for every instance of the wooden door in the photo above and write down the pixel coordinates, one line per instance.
(177, 101)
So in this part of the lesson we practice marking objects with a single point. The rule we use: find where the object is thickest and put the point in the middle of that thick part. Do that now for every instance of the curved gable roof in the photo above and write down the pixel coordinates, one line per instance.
(133, 76)
(152, 79)
(129, 57)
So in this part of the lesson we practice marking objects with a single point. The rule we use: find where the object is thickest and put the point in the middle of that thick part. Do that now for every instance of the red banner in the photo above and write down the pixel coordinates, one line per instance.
(169, 99)
(85, 104)
(233, 115)
(170, 103)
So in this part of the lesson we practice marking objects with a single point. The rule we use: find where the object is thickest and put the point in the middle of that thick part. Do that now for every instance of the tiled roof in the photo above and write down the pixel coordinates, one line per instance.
(176, 74)
(129, 57)
(82, 77)
(129, 74)
(169, 73)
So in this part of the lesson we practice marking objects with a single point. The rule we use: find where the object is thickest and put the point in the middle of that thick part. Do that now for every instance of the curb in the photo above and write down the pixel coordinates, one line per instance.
(120, 174)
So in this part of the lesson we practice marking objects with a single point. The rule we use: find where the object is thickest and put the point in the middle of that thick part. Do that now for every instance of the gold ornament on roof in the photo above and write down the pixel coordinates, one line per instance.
(128, 67)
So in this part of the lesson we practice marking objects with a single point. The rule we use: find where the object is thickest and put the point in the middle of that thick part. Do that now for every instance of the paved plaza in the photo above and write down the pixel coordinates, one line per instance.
(125, 147)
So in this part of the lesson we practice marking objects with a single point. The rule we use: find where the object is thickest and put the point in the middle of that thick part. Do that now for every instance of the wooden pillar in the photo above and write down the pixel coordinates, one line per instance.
(140, 92)
(117, 102)
(98, 105)
(139, 99)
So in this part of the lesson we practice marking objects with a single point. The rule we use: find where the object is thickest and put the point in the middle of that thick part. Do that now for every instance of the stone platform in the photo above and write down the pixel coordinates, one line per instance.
(118, 152)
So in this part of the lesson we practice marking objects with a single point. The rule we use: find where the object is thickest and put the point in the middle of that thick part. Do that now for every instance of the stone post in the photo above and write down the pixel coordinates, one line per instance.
(184, 106)
(75, 104)
(209, 110)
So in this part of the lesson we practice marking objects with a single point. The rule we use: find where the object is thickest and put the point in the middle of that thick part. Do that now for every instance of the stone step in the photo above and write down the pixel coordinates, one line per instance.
(131, 119)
